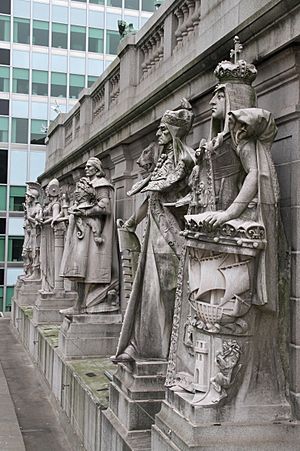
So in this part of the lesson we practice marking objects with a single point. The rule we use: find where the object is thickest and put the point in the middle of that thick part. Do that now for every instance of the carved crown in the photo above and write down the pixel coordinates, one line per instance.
(181, 118)
(239, 72)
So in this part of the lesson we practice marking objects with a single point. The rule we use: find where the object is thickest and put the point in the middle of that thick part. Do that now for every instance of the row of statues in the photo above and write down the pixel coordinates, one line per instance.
(204, 290)
(88, 253)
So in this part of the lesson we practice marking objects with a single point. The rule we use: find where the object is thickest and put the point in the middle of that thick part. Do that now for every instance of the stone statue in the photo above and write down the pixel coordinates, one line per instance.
(227, 291)
(148, 318)
(32, 231)
(125, 28)
(89, 256)
(47, 219)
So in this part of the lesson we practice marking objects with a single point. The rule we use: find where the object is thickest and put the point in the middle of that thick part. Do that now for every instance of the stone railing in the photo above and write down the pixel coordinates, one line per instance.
(114, 85)
(182, 39)
(152, 52)
(188, 15)
(98, 100)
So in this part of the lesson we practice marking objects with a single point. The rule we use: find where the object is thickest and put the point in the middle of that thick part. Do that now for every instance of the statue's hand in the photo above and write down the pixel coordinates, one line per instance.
(130, 225)
(216, 218)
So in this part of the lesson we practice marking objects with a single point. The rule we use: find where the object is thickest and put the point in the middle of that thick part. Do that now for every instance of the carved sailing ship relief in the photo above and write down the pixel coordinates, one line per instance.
(225, 316)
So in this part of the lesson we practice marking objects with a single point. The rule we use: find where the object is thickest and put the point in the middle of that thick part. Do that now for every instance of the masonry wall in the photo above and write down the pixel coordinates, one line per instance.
(117, 118)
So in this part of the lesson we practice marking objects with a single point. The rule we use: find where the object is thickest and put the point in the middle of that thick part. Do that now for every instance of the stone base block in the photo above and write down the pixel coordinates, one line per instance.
(173, 432)
(115, 437)
(26, 291)
(90, 335)
(136, 393)
(47, 306)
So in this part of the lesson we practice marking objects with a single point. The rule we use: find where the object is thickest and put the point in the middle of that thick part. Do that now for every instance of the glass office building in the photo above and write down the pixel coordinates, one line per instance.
(49, 51)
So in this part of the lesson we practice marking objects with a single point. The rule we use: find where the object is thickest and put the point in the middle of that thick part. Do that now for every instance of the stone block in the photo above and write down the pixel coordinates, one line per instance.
(173, 432)
(295, 228)
(295, 271)
(90, 335)
(47, 306)
(295, 368)
(295, 321)
(27, 291)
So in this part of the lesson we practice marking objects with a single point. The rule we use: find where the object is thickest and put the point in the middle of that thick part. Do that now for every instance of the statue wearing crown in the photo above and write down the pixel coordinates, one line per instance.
(148, 319)
(225, 319)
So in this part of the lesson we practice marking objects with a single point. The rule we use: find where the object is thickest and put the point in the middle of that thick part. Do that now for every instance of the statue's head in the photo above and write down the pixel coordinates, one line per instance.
(93, 168)
(233, 92)
(33, 192)
(52, 189)
(175, 124)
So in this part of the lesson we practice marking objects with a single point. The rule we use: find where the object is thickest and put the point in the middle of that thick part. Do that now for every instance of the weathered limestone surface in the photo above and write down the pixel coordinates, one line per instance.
(173, 57)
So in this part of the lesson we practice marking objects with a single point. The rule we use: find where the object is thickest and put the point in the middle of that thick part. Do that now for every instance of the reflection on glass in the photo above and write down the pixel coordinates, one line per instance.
(40, 33)
(21, 30)
(58, 84)
(96, 40)
(4, 28)
(112, 42)
(18, 167)
(4, 79)
(39, 83)
(77, 38)
(21, 80)
(59, 35)
(4, 129)
(76, 85)
(19, 132)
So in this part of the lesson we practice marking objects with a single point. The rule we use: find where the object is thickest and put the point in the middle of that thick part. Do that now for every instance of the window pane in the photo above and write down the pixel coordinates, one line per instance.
(3, 198)
(78, 16)
(19, 132)
(4, 28)
(2, 278)
(4, 107)
(97, 2)
(37, 164)
(39, 110)
(21, 30)
(40, 34)
(18, 167)
(40, 11)
(2, 248)
(21, 80)
(15, 227)
(4, 129)
(12, 274)
(112, 21)
(39, 83)
(132, 4)
(15, 249)
(58, 85)
(59, 35)
(60, 14)
(3, 166)
(5, 6)
(38, 132)
(76, 85)
(134, 20)
(117, 3)
(20, 59)
(19, 108)
(96, 19)
(77, 38)
(40, 61)
(16, 198)
(4, 79)
(2, 226)
(148, 5)
(1, 295)
(59, 63)
(91, 80)
(22, 8)
(112, 42)
(5, 57)
(9, 295)
(95, 40)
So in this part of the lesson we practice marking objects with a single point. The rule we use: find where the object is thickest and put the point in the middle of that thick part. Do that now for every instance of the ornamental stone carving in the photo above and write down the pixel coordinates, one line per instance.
(90, 256)
(225, 319)
(32, 231)
(148, 318)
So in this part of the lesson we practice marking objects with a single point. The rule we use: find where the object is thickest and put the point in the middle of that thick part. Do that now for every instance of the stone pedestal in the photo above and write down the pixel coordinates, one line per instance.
(181, 426)
(47, 306)
(26, 291)
(90, 335)
(136, 394)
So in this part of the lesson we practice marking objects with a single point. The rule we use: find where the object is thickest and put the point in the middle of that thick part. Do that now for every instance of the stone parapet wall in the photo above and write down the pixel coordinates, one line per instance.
(173, 56)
